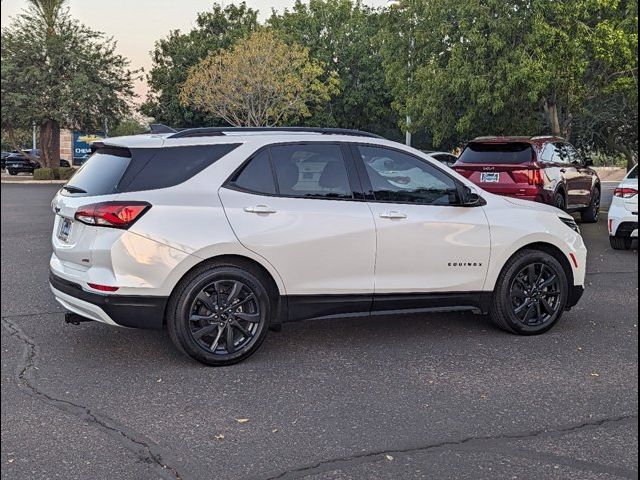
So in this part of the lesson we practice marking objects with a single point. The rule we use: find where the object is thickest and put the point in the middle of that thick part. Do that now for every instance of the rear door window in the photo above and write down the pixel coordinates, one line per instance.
(497, 153)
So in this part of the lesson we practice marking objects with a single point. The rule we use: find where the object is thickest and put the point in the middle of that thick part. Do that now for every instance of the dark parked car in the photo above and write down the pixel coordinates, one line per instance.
(445, 158)
(4, 157)
(542, 169)
(20, 162)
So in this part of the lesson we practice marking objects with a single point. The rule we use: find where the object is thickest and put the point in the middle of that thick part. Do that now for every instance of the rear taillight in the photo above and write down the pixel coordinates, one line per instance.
(625, 192)
(112, 214)
(535, 176)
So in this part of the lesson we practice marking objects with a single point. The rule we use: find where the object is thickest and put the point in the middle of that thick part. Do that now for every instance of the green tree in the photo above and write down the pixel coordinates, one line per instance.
(261, 81)
(127, 126)
(343, 35)
(59, 73)
(174, 55)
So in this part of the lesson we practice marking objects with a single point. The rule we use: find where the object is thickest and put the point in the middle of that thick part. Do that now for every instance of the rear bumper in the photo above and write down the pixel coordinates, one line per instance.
(531, 194)
(123, 310)
(622, 222)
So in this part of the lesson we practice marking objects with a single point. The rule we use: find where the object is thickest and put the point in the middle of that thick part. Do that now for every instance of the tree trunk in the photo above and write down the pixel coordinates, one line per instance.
(551, 110)
(50, 143)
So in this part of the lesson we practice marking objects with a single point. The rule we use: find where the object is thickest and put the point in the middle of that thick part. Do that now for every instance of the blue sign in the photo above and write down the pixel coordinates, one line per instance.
(82, 146)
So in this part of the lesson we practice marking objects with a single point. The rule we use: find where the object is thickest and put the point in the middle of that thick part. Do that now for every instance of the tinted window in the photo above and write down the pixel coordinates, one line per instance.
(573, 156)
(155, 168)
(633, 173)
(316, 171)
(399, 177)
(101, 173)
(256, 176)
(509, 153)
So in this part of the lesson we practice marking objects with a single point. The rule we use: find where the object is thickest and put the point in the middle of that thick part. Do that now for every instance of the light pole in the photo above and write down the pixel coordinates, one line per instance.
(397, 3)
(33, 135)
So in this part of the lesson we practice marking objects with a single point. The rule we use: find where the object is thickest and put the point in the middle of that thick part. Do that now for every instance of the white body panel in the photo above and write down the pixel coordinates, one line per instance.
(423, 249)
(318, 246)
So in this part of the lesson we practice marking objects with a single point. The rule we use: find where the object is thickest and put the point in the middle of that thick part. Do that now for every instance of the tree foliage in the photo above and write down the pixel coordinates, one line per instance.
(261, 81)
(343, 35)
(174, 55)
(59, 73)
(510, 66)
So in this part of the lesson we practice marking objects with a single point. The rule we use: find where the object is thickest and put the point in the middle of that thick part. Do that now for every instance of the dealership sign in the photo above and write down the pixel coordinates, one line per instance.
(82, 144)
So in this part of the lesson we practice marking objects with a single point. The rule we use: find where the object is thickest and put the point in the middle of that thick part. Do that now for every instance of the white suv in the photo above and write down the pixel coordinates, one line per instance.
(219, 234)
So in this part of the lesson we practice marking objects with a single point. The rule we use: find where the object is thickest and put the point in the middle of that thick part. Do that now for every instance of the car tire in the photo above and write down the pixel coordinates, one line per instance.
(592, 213)
(620, 243)
(203, 323)
(12, 172)
(560, 201)
(541, 294)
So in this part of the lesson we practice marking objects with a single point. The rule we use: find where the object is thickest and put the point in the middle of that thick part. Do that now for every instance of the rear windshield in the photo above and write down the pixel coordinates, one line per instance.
(633, 173)
(101, 173)
(116, 170)
(515, 152)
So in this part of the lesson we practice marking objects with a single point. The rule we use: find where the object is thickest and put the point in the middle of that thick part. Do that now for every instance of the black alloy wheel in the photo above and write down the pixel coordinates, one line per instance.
(224, 316)
(219, 315)
(535, 294)
(531, 293)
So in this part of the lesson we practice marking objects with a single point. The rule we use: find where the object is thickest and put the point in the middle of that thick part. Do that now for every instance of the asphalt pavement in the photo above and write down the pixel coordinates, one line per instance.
(412, 396)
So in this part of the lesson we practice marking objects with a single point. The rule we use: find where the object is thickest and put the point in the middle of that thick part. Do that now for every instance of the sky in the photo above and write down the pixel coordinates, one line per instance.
(137, 24)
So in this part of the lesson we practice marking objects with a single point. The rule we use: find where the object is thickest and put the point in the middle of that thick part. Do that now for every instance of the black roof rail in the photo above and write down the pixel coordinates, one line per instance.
(220, 131)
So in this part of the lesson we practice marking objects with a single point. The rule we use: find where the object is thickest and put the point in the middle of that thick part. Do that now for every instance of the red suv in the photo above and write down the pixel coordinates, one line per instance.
(541, 169)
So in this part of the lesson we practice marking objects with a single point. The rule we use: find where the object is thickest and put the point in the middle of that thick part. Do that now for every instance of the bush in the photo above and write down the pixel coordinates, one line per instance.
(62, 173)
(43, 174)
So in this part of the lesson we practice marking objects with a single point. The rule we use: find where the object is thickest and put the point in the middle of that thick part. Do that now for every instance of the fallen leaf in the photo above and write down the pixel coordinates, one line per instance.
(594, 374)
(242, 420)
(11, 460)
(388, 457)
(274, 430)
(219, 437)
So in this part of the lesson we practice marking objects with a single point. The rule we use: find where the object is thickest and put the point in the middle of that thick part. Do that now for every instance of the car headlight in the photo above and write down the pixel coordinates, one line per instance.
(571, 223)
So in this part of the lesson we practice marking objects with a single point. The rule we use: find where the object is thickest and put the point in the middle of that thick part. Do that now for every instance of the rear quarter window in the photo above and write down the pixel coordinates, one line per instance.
(497, 153)
(114, 170)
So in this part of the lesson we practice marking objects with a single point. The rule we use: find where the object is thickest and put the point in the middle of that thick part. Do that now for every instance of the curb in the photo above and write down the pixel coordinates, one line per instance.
(35, 182)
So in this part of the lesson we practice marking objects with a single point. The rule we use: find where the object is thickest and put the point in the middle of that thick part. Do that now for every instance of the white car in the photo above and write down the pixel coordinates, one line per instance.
(623, 213)
(218, 234)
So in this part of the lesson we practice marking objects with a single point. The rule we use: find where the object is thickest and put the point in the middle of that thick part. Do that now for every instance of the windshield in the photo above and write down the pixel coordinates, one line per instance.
(497, 153)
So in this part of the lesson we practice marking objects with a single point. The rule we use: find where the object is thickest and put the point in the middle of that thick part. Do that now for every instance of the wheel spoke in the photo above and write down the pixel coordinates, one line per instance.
(208, 330)
(229, 340)
(248, 317)
(518, 310)
(548, 281)
(200, 318)
(207, 301)
(233, 294)
(526, 316)
(241, 302)
(517, 292)
(548, 308)
(244, 331)
(214, 344)
(539, 312)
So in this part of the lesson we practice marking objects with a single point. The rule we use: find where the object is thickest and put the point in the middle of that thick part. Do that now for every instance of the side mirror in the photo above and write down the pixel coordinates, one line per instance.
(588, 162)
(470, 198)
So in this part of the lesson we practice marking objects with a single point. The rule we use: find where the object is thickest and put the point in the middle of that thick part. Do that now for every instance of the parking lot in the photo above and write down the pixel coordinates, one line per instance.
(438, 396)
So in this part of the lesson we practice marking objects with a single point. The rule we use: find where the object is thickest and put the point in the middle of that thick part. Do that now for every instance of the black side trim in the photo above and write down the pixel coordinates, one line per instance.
(575, 294)
(303, 307)
(625, 229)
(126, 310)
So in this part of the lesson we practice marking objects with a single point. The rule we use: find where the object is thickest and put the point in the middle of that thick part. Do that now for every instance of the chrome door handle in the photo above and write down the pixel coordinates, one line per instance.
(393, 214)
(259, 209)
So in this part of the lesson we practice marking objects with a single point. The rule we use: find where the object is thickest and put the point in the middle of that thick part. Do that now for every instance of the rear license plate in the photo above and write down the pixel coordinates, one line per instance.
(489, 177)
(65, 229)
